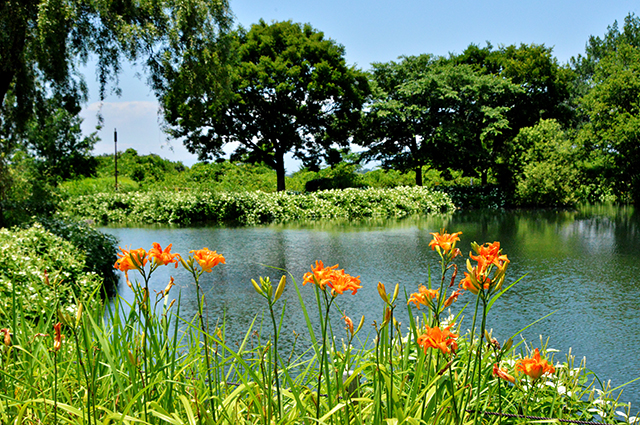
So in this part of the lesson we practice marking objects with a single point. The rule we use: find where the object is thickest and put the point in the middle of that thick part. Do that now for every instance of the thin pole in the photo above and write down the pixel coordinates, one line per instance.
(115, 156)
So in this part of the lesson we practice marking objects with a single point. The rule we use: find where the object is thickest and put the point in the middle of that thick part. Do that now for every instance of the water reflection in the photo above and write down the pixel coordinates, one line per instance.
(582, 265)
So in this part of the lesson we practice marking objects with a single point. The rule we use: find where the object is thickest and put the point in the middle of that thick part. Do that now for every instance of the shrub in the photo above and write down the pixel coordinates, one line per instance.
(99, 248)
(39, 268)
(255, 207)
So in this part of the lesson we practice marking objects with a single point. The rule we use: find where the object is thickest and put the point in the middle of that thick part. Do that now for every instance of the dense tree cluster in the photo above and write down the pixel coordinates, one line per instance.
(547, 133)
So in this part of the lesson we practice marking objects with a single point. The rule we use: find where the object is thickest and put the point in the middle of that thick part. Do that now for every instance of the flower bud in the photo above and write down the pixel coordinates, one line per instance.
(7, 336)
(395, 292)
(79, 314)
(382, 291)
(257, 287)
(280, 288)
(359, 325)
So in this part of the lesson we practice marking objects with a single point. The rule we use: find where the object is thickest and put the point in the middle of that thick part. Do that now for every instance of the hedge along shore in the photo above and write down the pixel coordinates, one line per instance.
(249, 208)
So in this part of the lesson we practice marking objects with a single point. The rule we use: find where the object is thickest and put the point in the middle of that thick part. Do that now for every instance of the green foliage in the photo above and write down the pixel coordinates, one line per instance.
(613, 110)
(140, 168)
(99, 249)
(598, 48)
(30, 257)
(545, 163)
(340, 176)
(476, 197)
(425, 108)
(291, 91)
(254, 207)
(27, 194)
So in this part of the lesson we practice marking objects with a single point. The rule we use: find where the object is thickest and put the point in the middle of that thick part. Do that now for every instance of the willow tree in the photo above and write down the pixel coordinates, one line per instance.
(44, 42)
(290, 91)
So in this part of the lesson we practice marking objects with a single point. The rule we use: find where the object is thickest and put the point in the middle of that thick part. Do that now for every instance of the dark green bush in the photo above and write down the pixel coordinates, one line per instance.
(99, 248)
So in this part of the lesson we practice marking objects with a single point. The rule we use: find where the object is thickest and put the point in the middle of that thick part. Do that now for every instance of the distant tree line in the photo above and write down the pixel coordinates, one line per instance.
(546, 133)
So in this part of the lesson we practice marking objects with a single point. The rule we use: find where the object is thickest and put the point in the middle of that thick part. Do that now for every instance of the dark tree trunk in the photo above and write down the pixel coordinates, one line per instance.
(419, 175)
(484, 177)
(280, 173)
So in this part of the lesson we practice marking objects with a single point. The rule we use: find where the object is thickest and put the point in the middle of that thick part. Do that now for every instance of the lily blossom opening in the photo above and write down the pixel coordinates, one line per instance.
(534, 366)
(337, 280)
(445, 242)
(160, 257)
(440, 339)
(423, 296)
(207, 259)
(131, 259)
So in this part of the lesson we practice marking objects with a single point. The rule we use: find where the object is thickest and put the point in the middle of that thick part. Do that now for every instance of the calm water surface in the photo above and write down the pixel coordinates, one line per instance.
(583, 266)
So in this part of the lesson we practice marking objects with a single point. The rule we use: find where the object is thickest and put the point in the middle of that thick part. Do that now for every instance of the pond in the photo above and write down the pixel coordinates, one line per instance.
(583, 266)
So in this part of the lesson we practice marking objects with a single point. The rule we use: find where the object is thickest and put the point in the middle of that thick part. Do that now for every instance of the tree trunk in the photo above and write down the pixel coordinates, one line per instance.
(280, 173)
(484, 177)
(419, 175)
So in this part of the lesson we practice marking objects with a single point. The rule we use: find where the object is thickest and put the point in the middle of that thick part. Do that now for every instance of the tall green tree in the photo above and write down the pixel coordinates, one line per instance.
(545, 93)
(613, 110)
(431, 111)
(291, 91)
(545, 162)
(598, 48)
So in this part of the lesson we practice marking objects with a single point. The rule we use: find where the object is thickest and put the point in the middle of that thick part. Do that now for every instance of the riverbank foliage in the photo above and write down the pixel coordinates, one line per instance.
(254, 207)
(39, 269)
(147, 363)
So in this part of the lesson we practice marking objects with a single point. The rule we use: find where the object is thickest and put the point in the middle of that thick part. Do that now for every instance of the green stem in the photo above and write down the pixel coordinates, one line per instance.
(473, 328)
(323, 353)
(478, 357)
(275, 359)
(55, 387)
(206, 344)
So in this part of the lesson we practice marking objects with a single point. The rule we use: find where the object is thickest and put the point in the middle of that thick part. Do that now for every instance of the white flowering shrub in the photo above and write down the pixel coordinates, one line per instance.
(30, 258)
(256, 207)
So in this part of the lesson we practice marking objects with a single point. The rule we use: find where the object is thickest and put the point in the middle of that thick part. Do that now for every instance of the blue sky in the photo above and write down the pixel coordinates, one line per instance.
(370, 31)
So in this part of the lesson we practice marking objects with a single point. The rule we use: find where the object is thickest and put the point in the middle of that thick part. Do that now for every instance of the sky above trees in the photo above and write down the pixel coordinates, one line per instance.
(370, 31)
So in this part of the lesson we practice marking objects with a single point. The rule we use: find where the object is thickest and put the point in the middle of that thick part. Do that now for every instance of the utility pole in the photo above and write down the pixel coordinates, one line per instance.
(115, 156)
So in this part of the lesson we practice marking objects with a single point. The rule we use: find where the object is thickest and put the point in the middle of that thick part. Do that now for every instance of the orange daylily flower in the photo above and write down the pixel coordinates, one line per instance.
(57, 339)
(161, 257)
(337, 280)
(502, 374)
(133, 259)
(534, 366)
(489, 254)
(207, 259)
(490, 259)
(319, 275)
(445, 242)
(340, 282)
(475, 279)
(441, 339)
(423, 296)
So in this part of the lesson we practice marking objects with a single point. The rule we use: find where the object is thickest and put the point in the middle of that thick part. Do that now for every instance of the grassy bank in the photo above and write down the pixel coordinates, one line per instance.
(147, 363)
